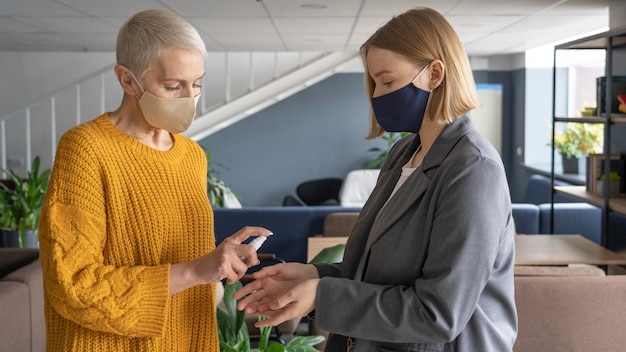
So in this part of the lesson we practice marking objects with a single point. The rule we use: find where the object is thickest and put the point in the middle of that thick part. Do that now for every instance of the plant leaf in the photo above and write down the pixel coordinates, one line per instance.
(275, 347)
(332, 254)
(304, 343)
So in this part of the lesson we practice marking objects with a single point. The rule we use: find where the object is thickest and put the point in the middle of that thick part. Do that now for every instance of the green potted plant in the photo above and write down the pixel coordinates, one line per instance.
(20, 205)
(575, 141)
(220, 194)
(233, 332)
(391, 138)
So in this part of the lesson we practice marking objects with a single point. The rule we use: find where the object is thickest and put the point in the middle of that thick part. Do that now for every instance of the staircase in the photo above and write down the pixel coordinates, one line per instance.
(236, 85)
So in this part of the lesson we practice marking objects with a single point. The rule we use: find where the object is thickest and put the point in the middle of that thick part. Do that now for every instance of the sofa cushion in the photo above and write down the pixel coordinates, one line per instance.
(539, 189)
(526, 217)
(31, 277)
(13, 258)
(573, 218)
(15, 310)
(357, 187)
(570, 313)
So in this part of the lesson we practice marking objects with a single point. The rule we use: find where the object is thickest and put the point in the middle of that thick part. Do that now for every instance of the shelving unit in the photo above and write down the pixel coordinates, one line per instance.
(614, 44)
(617, 204)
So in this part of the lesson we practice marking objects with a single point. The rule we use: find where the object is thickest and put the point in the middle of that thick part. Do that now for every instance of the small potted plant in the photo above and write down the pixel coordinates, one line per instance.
(20, 204)
(575, 141)
(613, 184)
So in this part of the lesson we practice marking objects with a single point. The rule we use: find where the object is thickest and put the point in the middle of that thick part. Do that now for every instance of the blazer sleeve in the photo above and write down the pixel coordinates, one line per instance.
(324, 269)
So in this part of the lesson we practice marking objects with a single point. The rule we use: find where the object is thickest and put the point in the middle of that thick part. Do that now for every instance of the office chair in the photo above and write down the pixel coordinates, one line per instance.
(292, 201)
(324, 191)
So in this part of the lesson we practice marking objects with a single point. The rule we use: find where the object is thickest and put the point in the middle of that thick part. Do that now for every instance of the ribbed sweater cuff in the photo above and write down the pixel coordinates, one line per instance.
(155, 297)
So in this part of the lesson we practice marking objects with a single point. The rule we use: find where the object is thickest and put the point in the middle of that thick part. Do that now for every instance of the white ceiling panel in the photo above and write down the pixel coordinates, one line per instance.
(368, 25)
(582, 7)
(239, 41)
(10, 25)
(501, 7)
(63, 25)
(482, 23)
(312, 8)
(35, 8)
(89, 42)
(115, 8)
(356, 40)
(391, 8)
(486, 27)
(217, 8)
(543, 25)
(300, 42)
(338, 26)
(251, 26)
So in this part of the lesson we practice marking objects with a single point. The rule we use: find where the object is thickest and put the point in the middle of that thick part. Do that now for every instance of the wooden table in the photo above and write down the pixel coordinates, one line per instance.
(562, 250)
(529, 250)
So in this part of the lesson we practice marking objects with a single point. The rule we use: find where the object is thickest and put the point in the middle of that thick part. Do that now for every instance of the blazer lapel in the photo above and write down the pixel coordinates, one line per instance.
(417, 183)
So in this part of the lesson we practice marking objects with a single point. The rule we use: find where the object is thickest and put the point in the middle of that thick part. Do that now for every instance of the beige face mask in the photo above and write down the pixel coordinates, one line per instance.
(171, 114)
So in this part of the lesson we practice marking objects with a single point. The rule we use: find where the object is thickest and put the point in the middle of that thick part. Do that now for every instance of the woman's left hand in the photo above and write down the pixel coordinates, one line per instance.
(296, 303)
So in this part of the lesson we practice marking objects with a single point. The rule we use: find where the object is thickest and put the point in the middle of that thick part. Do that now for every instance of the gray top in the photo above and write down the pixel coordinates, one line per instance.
(439, 270)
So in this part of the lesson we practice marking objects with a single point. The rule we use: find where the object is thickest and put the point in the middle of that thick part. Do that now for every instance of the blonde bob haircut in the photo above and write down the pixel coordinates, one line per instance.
(146, 35)
(423, 35)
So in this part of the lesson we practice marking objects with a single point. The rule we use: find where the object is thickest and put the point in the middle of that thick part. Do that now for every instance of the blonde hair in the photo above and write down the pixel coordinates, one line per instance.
(148, 33)
(423, 35)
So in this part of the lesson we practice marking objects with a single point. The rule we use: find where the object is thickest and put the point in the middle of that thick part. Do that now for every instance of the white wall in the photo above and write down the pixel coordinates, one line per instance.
(617, 14)
(26, 77)
(488, 118)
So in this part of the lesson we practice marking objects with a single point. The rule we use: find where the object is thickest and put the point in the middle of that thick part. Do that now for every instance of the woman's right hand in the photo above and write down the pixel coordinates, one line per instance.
(272, 282)
(229, 261)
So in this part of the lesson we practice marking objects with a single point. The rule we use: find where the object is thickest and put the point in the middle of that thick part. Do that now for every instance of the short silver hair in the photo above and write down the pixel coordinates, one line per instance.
(147, 34)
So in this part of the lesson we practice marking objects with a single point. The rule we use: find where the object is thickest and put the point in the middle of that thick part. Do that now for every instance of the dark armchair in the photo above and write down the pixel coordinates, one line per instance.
(323, 191)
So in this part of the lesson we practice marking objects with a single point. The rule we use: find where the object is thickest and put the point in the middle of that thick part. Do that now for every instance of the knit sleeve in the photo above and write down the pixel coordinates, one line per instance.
(79, 284)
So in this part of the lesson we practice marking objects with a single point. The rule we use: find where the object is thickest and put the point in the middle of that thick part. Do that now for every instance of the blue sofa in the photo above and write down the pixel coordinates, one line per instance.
(292, 225)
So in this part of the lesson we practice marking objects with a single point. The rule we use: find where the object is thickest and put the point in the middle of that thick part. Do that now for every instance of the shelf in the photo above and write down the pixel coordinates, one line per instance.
(613, 42)
(615, 118)
(617, 204)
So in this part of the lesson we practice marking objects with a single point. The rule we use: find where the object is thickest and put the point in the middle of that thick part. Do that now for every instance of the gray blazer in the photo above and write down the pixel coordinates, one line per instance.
(439, 260)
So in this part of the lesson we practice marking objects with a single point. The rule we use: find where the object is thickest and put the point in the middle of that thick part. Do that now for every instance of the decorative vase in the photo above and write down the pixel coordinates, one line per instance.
(11, 239)
(570, 165)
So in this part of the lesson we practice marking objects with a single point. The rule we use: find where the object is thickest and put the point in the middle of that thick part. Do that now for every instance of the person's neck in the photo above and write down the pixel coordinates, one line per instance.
(129, 119)
(429, 132)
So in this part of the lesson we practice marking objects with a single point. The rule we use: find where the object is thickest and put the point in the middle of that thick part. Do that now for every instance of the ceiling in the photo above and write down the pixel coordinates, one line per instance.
(486, 27)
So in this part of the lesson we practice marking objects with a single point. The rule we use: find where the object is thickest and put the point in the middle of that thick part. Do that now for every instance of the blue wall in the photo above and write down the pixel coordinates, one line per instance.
(320, 132)
(316, 133)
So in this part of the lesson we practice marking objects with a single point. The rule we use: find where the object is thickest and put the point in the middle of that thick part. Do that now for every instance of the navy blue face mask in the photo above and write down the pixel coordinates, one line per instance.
(402, 110)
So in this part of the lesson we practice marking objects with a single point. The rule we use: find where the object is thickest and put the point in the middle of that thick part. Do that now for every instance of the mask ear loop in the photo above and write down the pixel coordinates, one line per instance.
(136, 81)
(421, 71)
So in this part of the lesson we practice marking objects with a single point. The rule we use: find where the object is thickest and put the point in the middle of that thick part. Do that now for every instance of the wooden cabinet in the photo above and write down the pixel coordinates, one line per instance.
(613, 44)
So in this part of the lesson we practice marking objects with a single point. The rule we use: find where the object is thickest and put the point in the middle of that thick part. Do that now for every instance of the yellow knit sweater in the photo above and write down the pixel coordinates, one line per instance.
(117, 213)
